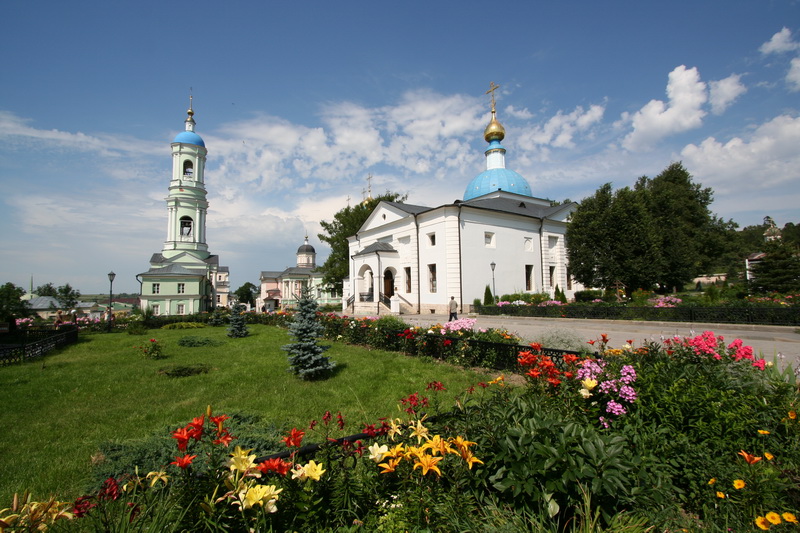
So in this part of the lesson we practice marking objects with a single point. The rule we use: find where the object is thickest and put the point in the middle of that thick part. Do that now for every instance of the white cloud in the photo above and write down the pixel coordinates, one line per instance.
(723, 93)
(767, 160)
(523, 113)
(779, 43)
(560, 130)
(686, 95)
(793, 76)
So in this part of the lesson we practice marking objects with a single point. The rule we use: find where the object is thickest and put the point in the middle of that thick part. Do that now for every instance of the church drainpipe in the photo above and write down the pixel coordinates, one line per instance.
(541, 252)
(460, 264)
(419, 274)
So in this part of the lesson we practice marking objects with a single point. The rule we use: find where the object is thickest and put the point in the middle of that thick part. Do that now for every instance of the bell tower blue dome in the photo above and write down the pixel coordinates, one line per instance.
(496, 177)
(189, 136)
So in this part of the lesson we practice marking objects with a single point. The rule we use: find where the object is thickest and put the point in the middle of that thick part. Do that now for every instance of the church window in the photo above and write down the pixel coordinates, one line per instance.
(181, 288)
(188, 168)
(156, 309)
(156, 288)
(186, 226)
(488, 239)
(181, 309)
(528, 277)
(552, 276)
(432, 277)
(408, 279)
(432, 239)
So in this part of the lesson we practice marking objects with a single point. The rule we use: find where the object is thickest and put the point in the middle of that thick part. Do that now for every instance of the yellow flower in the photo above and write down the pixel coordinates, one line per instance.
(589, 383)
(792, 415)
(313, 470)
(155, 477)
(769, 456)
(720, 495)
(762, 523)
(585, 393)
(498, 381)
(712, 481)
(398, 450)
(763, 432)
(419, 431)
(390, 465)
(428, 464)
(461, 443)
(438, 445)
(789, 517)
(738, 484)
(774, 518)
(376, 452)
(470, 459)
(395, 428)
(240, 460)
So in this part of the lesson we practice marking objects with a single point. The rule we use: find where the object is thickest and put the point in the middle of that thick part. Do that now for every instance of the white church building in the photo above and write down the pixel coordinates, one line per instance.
(412, 259)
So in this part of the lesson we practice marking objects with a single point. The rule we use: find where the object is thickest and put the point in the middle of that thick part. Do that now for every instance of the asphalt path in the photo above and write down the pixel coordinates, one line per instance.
(780, 344)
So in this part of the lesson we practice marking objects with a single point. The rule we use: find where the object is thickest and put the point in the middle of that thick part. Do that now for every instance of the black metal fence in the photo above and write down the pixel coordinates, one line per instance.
(775, 316)
(34, 342)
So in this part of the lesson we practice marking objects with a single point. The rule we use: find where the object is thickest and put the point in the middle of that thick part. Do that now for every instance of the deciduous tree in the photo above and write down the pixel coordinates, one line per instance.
(11, 305)
(346, 223)
(246, 294)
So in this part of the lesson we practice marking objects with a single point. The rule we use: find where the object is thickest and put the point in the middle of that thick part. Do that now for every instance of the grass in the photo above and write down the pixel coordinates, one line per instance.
(56, 412)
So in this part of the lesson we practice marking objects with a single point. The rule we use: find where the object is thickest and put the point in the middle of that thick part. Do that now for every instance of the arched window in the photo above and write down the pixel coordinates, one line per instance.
(186, 226)
(188, 168)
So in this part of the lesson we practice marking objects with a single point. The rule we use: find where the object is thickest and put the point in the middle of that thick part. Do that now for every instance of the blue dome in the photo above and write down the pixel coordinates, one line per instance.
(496, 179)
(189, 137)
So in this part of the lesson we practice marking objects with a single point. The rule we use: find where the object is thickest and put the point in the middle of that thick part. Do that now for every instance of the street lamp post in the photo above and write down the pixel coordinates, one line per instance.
(494, 288)
(111, 277)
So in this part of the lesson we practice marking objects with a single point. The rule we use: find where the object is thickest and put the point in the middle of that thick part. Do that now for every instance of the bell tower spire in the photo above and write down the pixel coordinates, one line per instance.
(187, 204)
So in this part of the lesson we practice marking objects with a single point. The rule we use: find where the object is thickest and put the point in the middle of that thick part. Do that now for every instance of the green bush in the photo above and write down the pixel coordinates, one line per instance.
(192, 341)
(184, 325)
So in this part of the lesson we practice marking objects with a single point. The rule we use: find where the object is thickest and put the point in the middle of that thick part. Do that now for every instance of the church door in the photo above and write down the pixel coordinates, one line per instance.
(388, 284)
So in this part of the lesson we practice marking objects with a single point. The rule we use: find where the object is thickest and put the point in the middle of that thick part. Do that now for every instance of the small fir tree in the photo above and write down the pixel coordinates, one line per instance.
(488, 299)
(560, 296)
(305, 354)
(238, 324)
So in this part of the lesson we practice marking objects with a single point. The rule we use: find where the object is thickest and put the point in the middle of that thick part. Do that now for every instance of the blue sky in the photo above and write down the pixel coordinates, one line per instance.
(298, 102)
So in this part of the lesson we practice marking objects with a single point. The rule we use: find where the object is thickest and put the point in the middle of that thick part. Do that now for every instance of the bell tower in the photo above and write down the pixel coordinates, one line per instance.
(186, 203)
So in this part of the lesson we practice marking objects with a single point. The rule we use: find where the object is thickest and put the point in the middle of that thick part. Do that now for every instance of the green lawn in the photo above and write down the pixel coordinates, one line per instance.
(56, 412)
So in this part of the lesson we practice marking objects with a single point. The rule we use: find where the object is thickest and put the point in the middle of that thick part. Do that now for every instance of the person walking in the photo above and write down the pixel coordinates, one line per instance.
(453, 309)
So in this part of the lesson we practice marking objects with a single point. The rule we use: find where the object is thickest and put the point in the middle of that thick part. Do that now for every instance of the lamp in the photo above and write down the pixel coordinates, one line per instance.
(494, 288)
(111, 277)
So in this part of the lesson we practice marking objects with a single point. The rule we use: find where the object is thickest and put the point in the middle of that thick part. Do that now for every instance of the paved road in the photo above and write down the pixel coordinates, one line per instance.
(781, 342)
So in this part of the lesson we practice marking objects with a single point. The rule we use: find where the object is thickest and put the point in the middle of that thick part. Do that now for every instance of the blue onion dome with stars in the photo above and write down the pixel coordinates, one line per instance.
(189, 136)
(496, 177)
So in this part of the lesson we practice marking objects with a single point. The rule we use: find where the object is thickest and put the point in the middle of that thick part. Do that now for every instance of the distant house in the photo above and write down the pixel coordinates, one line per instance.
(282, 289)
(47, 307)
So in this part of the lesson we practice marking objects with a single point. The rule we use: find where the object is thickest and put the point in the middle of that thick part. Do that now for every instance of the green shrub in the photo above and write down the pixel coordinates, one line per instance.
(182, 371)
(588, 295)
(191, 341)
(136, 328)
(488, 299)
(184, 325)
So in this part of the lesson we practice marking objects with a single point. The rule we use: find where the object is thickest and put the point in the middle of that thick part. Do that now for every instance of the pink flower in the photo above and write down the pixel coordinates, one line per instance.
(759, 364)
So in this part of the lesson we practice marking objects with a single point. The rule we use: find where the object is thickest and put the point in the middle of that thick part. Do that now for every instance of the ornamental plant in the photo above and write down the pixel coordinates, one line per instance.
(151, 349)
(305, 354)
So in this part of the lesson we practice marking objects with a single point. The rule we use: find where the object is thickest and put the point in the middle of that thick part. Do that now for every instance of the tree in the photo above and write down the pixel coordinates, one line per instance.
(11, 305)
(346, 223)
(779, 270)
(660, 233)
(238, 323)
(488, 298)
(67, 296)
(305, 354)
(48, 289)
(246, 294)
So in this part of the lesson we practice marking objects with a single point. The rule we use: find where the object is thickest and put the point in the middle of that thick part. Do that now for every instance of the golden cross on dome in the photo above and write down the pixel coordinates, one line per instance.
(492, 89)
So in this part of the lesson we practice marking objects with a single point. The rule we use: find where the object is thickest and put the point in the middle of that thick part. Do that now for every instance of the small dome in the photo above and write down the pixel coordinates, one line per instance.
(189, 137)
(494, 130)
(495, 179)
(306, 249)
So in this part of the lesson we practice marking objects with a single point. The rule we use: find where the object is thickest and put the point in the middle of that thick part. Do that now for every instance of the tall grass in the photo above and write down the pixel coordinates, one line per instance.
(56, 412)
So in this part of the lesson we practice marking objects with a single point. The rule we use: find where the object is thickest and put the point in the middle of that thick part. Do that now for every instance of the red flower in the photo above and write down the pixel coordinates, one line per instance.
(184, 461)
(604, 338)
(448, 342)
(295, 438)
(277, 465)
(218, 420)
(109, 490)
(327, 417)
(224, 438)
(182, 435)
(435, 385)
(591, 342)
(536, 347)
(82, 506)
(340, 420)
(312, 425)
